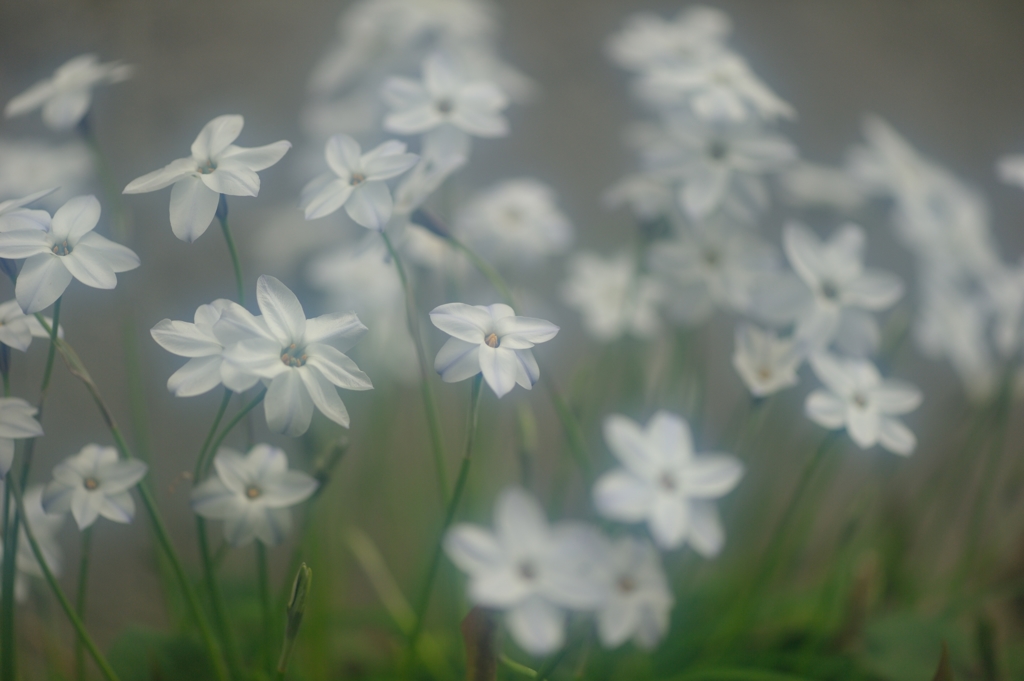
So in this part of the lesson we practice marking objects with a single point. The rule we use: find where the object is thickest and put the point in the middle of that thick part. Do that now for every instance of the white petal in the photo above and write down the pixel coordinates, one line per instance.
(465, 322)
(184, 339)
(117, 257)
(87, 267)
(199, 375)
(711, 475)
(288, 406)
(341, 330)
(30, 99)
(274, 525)
(43, 278)
(895, 436)
(233, 179)
(528, 371)
(537, 626)
(66, 109)
(834, 373)
(75, 218)
(193, 206)
(896, 397)
(257, 158)
(324, 395)
(803, 249)
(519, 520)
(457, 360)
(670, 435)
(472, 549)
(213, 499)
(370, 205)
(320, 199)
(669, 521)
(120, 475)
(862, 425)
(288, 488)
(215, 137)
(378, 165)
(703, 192)
(118, 507)
(873, 291)
(337, 367)
(85, 508)
(6, 456)
(164, 177)
(281, 309)
(521, 333)
(826, 409)
(342, 153)
(500, 367)
(616, 621)
(23, 243)
(628, 442)
(414, 120)
(706, 533)
(621, 496)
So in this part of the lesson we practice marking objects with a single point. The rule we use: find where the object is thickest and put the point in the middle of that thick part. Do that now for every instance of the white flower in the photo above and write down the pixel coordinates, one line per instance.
(197, 341)
(648, 41)
(447, 102)
(529, 569)
(66, 96)
(858, 399)
(664, 483)
(765, 362)
(14, 216)
(834, 293)
(357, 182)
(301, 360)
(17, 421)
(18, 328)
(612, 296)
(515, 220)
(45, 529)
(492, 340)
(638, 600)
(67, 248)
(812, 184)
(648, 196)
(215, 167)
(720, 87)
(94, 483)
(719, 164)
(251, 493)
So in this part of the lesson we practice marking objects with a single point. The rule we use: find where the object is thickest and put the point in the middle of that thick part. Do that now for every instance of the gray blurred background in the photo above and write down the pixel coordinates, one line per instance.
(946, 73)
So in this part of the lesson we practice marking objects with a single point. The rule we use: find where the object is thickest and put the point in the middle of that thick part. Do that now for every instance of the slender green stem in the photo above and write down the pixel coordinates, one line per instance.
(449, 515)
(253, 403)
(488, 270)
(429, 403)
(516, 667)
(222, 217)
(76, 622)
(51, 352)
(573, 432)
(263, 582)
(203, 460)
(7, 383)
(551, 663)
(83, 579)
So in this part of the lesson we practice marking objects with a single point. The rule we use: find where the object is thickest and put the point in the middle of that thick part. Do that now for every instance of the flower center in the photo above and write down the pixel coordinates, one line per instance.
(90, 483)
(527, 571)
(717, 150)
(492, 340)
(445, 106)
(764, 373)
(357, 179)
(207, 168)
(294, 356)
(668, 482)
(62, 248)
(860, 400)
(829, 291)
(252, 491)
(712, 257)
(626, 584)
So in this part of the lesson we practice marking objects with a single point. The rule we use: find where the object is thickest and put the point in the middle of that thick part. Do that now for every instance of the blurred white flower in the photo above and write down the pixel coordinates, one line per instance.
(614, 299)
(834, 290)
(357, 181)
(199, 342)
(17, 422)
(858, 399)
(664, 484)
(447, 103)
(492, 340)
(65, 97)
(252, 493)
(94, 483)
(530, 569)
(18, 328)
(26, 165)
(718, 164)
(765, 362)
(67, 248)
(45, 529)
(638, 600)
(515, 221)
(301, 360)
(15, 216)
(648, 196)
(709, 267)
(215, 167)
(811, 184)
(1011, 169)
(720, 86)
(648, 41)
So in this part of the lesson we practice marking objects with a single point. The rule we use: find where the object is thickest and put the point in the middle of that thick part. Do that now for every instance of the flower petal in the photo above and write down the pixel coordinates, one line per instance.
(118, 507)
(319, 198)
(87, 267)
(537, 626)
(342, 153)
(257, 158)
(340, 330)
(521, 333)
(519, 520)
(119, 258)
(198, 375)
(896, 437)
(324, 395)
(288, 406)
(75, 218)
(281, 310)
(370, 205)
(711, 475)
(457, 360)
(164, 177)
(288, 488)
(669, 520)
(622, 496)
(473, 549)
(465, 322)
(896, 397)
(706, 533)
(233, 179)
(337, 367)
(826, 409)
(193, 206)
(184, 339)
(630, 445)
(215, 137)
(43, 279)
(500, 367)
(23, 243)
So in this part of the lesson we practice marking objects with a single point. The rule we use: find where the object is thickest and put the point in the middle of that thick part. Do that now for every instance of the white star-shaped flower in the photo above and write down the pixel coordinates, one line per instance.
(199, 342)
(215, 167)
(357, 181)
(67, 249)
(858, 399)
(664, 484)
(614, 298)
(251, 493)
(65, 97)
(765, 362)
(648, 41)
(18, 328)
(17, 422)
(301, 360)
(530, 569)
(489, 339)
(94, 483)
(638, 600)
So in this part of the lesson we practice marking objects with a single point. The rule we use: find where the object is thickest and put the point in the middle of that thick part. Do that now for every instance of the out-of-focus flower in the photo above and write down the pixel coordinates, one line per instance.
(664, 484)
(45, 529)
(489, 339)
(65, 97)
(718, 164)
(301, 360)
(530, 569)
(94, 483)
(17, 421)
(67, 249)
(26, 165)
(718, 87)
(357, 181)
(835, 293)
(858, 399)
(15, 216)
(515, 221)
(197, 341)
(648, 196)
(765, 362)
(445, 101)
(810, 184)
(612, 296)
(252, 493)
(18, 328)
(215, 167)
(638, 600)
(648, 41)
(1011, 169)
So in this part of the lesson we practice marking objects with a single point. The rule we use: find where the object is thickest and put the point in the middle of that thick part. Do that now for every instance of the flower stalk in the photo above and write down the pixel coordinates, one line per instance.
(222, 218)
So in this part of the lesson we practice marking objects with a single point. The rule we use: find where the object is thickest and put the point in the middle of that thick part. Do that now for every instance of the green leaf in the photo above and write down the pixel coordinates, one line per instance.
(944, 672)
(141, 654)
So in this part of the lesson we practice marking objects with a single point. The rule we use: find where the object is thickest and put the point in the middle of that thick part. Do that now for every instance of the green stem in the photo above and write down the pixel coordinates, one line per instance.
(429, 403)
(449, 515)
(76, 622)
(263, 581)
(235, 421)
(488, 270)
(83, 579)
(222, 217)
(516, 667)
(202, 461)
(551, 663)
(573, 432)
